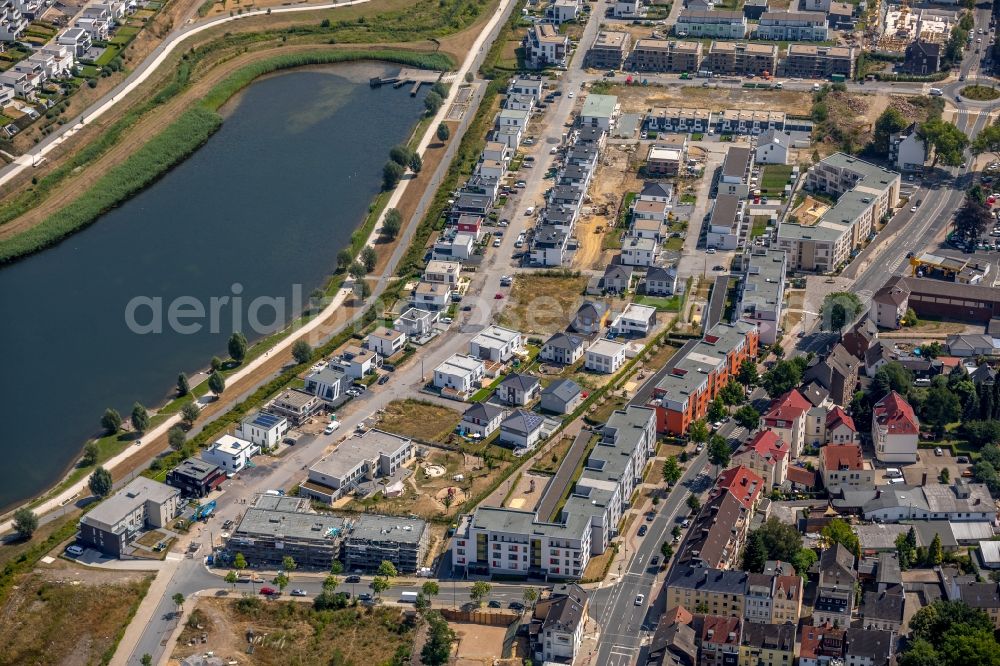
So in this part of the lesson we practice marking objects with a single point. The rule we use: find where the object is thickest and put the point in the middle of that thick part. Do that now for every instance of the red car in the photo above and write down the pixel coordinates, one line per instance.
(268, 591)
(498, 296)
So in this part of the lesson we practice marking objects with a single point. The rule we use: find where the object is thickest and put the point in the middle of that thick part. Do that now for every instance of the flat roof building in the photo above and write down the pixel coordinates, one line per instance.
(196, 477)
(140, 505)
(371, 539)
(275, 527)
(356, 463)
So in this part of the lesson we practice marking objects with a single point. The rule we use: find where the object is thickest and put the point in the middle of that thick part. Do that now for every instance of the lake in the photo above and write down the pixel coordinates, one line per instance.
(260, 211)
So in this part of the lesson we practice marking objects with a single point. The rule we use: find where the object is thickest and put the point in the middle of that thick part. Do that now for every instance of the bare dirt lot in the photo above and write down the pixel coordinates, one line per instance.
(292, 633)
(541, 304)
(478, 645)
(616, 174)
(62, 614)
(638, 99)
(419, 419)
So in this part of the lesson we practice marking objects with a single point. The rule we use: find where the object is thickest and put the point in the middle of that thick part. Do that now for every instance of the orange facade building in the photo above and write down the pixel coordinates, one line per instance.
(684, 394)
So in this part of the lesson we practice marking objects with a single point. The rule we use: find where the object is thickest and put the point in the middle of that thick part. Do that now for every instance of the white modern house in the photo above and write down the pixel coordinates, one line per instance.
(459, 374)
(521, 430)
(907, 151)
(636, 320)
(230, 453)
(496, 343)
(263, 429)
(482, 418)
(562, 348)
(604, 356)
(386, 341)
(326, 383)
(772, 147)
(416, 323)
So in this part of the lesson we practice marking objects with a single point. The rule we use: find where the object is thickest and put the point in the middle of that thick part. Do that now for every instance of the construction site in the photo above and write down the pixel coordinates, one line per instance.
(902, 25)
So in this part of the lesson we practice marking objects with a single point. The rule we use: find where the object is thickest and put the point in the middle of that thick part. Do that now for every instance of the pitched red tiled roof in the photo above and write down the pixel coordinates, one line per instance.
(767, 445)
(801, 476)
(677, 615)
(790, 587)
(896, 415)
(787, 408)
(836, 416)
(841, 456)
(743, 483)
(721, 630)
(823, 640)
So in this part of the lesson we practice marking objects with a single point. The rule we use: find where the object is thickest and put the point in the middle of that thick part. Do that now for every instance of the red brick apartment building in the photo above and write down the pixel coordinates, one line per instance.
(685, 392)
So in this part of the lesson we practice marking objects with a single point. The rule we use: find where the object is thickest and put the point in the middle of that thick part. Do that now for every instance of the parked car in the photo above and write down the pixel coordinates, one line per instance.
(74, 550)
(268, 591)
(516, 605)
(494, 604)
(353, 579)
(642, 530)
(650, 516)
(938, 451)
(297, 592)
(364, 596)
(385, 378)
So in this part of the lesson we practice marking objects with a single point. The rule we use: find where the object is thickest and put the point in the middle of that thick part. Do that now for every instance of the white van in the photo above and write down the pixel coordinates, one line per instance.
(937, 92)
(923, 381)
(331, 427)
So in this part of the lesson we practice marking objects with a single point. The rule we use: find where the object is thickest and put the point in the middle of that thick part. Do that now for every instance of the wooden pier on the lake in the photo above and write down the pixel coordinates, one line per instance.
(406, 76)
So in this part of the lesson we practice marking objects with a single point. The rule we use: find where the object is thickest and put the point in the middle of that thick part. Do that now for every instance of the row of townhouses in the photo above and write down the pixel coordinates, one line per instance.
(615, 50)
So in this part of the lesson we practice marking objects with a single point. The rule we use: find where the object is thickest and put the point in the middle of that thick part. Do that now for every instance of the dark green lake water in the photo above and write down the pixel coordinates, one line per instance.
(266, 204)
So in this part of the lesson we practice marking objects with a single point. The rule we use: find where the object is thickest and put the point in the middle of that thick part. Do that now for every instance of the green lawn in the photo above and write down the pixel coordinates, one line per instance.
(773, 178)
(675, 244)
(759, 226)
(109, 54)
(688, 199)
(663, 304)
(89, 71)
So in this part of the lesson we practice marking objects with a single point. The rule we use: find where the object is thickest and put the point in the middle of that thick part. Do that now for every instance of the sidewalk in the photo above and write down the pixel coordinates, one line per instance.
(146, 611)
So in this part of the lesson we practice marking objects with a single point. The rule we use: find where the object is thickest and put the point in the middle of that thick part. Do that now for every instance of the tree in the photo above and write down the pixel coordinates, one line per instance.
(237, 347)
(302, 351)
(183, 387)
(803, 561)
(719, 452)
(891, 377)
(330, 583)
(748, 417)
(748, 375)
(392, 223)
(667, 551)
(717, 410)
(839, 531)
(698, 431)
(379, 585)
(755, 554)
(178, 599)
(232, 577)
(839, 309)
(111, 421)
(357, 270)
(671, 471)
(948, 141)
(932, 350)
(890, 122)
(387, 569)
(443, 132)
(430, 589)
(344, 259)
(288, 564)
(189, 412)
(935, 554)
(140, 418)
(988, 141)
(146, 660)
(369, 258)
(941, 407)
(25, 522)
(416, 163)
(336, 568)
(693, 503)
(972, 219)
(362, 290)
(480, 591)
(239, 562)
(216, 383)
(281, 580)
(530, 596)
(781, 378)
(945, 476)
(90, 453)
(400, 154)
(733, 393)
(433, 102)
(215, 363)
(391, 174)
(906, 549)
(176, 438)
(437, 648)
(100, 482)
(781, 540)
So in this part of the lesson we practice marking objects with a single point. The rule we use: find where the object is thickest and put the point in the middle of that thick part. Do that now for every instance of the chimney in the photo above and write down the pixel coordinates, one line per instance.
(923, 479)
